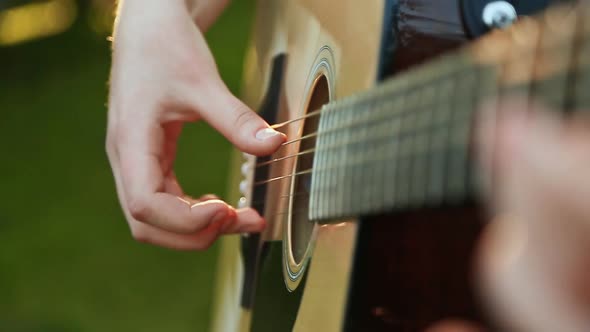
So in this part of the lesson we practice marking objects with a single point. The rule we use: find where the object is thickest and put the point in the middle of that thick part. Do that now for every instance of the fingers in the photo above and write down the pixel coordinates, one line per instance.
(502, 137)
(247, 221)
(173, 222)
(535, 250)
(244, 221)
(200, 240)
(238, 123)
(527, 146)
(152, 94)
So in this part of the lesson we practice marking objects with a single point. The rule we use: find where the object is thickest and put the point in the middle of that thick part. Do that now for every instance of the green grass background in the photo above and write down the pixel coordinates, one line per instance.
(67, 261)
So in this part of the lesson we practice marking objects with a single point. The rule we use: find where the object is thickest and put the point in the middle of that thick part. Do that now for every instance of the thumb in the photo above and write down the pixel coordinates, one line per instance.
(236, 121)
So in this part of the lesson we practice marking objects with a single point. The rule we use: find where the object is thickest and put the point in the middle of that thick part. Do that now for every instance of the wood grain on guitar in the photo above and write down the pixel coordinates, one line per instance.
(372, 204)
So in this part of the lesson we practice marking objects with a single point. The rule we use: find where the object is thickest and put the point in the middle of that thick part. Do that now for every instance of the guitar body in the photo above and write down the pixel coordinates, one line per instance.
(302, 33)
(396, 272)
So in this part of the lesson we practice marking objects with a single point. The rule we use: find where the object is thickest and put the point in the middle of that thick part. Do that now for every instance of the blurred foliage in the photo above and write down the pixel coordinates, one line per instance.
(67, 261)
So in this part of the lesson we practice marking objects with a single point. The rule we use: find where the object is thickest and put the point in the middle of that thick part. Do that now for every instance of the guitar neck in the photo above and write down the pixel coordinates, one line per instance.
(408, 142)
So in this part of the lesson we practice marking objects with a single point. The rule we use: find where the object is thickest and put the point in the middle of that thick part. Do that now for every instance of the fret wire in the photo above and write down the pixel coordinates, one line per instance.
(377, 194)
(330, 106)
(375, 199)
(438, 136)
(346, 171)
(418, 178)
(331, 130)
(410, 114)
(402, 133)
(454, 158)
(489, 89)
(325, 162)
(367, 151)
(335, 160)
(347, 125)
(410, 159)
(464, 112)
(352, 123)
(308, 171)
(360, 151)
(374, 176)
(389, 194)
(338, 158)
(404, 163)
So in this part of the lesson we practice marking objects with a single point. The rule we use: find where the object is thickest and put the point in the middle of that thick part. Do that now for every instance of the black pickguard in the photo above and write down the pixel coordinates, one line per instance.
(264, 292)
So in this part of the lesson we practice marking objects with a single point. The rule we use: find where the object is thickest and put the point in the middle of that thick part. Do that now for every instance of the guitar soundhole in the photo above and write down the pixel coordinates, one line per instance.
(301, 228)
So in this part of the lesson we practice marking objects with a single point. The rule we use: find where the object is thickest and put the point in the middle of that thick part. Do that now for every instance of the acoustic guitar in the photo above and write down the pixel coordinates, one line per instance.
(372, 204)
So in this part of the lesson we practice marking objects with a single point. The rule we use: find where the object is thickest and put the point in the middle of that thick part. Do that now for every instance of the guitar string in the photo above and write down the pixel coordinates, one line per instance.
(283, 177)
(314, 134)
(355, 163)
(308, 171)
(304, 194)
(290, 142)
(347, 100)
(308, 115)
(400, 134)
(378, 93)
(360, 121)
(324, 109)
(276, 160)
(297, 194)
(366, 119)
(396, 113)
(293, 212)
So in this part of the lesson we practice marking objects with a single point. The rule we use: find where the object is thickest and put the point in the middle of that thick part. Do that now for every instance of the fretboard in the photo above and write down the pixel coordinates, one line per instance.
(408, 143)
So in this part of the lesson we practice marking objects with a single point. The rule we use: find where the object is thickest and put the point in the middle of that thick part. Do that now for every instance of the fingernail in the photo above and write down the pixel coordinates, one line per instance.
(266, 133)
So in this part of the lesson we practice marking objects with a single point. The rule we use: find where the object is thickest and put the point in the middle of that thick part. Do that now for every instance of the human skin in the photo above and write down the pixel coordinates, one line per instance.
(163, 75)
(533, 258)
